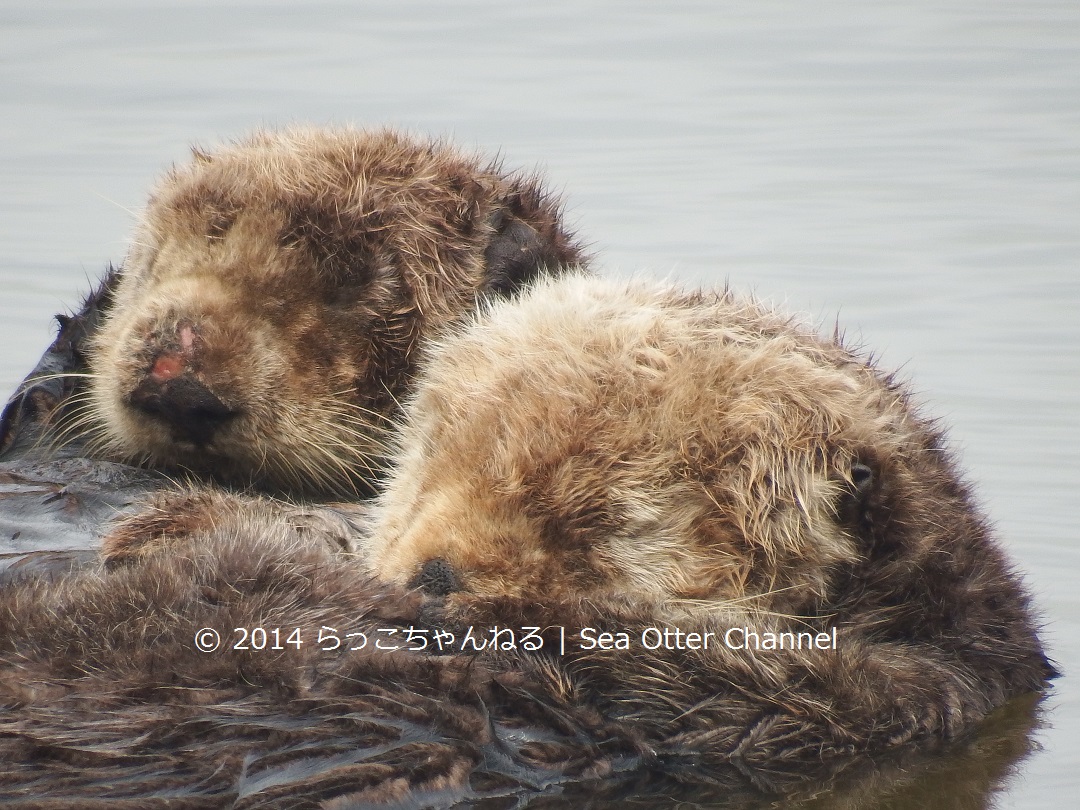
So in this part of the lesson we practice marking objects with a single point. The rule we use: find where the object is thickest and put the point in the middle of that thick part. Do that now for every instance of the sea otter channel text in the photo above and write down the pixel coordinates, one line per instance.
(528, 639)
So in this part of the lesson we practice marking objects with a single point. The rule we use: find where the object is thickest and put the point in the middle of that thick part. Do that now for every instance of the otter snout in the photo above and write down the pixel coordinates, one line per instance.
(191, 410)
(169, 392)
(436, 578)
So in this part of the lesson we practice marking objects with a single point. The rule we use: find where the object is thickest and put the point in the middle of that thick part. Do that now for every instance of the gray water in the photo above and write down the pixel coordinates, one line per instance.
(908, 169)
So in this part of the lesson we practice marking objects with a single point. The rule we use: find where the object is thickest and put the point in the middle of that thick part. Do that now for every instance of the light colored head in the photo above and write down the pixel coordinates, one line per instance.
(263, 327)
(629, 443)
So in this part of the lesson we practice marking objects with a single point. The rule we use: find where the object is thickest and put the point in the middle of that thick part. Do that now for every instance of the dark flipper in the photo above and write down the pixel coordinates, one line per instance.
(32, 412)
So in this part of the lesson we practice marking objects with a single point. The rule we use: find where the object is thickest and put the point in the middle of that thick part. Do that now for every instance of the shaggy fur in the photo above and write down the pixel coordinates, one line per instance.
(105, 702)
(625, 456)
(263, 325)
(105, 696)
(700, 460)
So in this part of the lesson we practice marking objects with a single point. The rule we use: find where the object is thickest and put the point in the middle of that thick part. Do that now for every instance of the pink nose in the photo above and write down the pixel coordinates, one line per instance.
(168, 366)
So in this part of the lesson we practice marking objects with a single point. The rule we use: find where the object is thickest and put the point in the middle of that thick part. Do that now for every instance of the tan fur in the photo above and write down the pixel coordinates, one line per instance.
(623, 456)
(630, 443)
(276, 289)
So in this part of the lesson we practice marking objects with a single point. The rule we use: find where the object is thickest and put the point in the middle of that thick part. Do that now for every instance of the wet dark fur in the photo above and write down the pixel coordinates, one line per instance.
(934, 628)
(112, 665)
(105, 698)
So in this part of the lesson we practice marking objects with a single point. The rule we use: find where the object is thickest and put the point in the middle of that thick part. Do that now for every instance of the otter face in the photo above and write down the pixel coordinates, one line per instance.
(265, 319)
(631, 445)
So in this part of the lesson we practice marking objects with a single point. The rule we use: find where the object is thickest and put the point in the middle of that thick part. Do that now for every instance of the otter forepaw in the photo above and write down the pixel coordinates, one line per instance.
(172, 520)
(166, 521)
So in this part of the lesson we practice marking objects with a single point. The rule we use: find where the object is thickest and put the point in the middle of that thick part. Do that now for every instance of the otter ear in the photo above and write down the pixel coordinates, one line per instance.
(27, 419)
(527, 239)
(516, 254)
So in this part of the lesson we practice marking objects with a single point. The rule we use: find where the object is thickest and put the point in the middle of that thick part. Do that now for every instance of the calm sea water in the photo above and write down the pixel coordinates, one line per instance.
(910, 170)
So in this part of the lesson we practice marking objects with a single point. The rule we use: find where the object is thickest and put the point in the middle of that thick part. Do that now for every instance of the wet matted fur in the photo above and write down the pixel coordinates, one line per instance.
(106, 697)
(106, 702)
(593, 454)
(694, 455)
(262, 327)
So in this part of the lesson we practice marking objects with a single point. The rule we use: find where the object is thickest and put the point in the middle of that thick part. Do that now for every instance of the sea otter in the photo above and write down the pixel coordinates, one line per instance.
(636, 471)
(263, 326)
(695, 461)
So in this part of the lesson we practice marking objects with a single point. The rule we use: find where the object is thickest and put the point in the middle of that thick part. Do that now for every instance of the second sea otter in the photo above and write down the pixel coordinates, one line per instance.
(630, 456)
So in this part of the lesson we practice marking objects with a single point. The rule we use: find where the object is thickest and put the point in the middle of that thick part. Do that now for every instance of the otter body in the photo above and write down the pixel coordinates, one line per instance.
(589, 462)
(646, 456)
(262, 328)
(325, 687)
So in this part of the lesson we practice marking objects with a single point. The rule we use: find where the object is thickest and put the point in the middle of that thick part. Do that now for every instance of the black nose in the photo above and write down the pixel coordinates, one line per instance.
(862, 477)
(436, 578)
(189, 408)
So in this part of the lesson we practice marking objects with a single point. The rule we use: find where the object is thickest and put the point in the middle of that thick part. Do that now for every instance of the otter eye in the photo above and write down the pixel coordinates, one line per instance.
(436, 578)
(343, 289)
(341, 249)
(854, 498)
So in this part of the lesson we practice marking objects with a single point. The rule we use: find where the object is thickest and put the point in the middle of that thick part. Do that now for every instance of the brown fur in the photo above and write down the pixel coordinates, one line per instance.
(167, 522)
(104, 701)
(696, 458)
(105, 698)
(264, 322)
(592, 454)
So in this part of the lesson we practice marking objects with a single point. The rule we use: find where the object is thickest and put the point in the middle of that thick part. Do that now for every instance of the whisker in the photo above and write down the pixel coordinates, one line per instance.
(30, 382)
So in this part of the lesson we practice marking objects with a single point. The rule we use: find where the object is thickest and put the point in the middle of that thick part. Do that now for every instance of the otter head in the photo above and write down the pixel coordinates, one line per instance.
(265, 320)
(627, 444)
